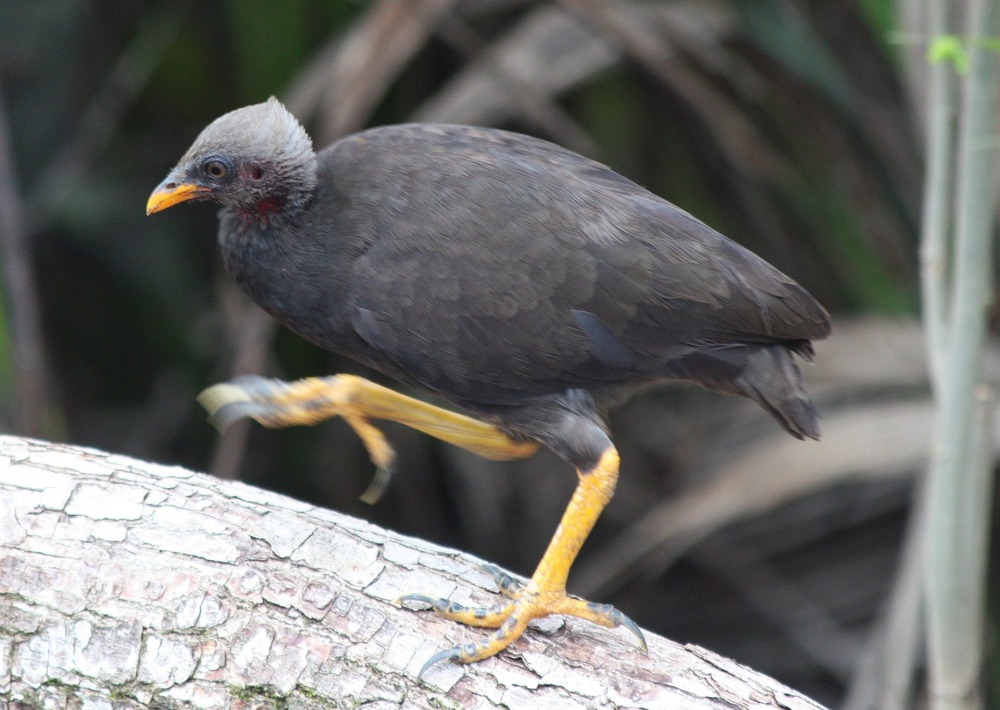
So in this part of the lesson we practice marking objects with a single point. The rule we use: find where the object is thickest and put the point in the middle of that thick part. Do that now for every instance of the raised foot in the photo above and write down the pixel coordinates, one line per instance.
(276, 404)
(510, 620)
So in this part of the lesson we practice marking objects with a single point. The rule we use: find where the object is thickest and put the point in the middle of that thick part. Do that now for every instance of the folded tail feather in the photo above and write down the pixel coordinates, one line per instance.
(772, 379)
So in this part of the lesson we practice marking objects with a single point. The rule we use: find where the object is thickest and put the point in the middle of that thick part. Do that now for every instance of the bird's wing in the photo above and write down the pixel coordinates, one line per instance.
(515, 266)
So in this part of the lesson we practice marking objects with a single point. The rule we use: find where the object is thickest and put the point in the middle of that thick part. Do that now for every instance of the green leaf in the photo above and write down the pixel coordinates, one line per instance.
(949, 48)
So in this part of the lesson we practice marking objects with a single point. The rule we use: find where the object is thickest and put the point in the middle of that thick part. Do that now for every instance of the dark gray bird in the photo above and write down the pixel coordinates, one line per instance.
(515, 278)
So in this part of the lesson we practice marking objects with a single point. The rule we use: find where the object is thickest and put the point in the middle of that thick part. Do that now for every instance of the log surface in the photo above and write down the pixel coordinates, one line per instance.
(127, 584)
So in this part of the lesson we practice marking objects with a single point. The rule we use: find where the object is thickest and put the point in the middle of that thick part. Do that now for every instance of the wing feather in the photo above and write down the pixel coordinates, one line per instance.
(504, 242)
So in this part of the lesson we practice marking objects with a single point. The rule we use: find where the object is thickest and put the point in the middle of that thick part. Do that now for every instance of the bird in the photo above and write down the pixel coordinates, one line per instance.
(527, 285)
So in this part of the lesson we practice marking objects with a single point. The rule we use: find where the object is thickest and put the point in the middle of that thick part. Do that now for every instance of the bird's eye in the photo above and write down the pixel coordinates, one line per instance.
(216, 169)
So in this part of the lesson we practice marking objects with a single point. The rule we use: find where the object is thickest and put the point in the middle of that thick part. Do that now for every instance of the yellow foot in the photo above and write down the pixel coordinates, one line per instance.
(510, 620)
(276, 404)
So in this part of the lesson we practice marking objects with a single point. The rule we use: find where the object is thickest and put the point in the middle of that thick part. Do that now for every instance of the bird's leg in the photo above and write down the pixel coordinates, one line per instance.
(277, 404)
(545, 593)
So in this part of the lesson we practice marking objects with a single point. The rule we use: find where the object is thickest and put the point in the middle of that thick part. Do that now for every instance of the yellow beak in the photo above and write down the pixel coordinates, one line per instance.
(169, 194)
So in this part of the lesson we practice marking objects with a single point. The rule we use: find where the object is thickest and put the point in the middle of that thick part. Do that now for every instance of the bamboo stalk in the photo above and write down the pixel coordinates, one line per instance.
(962, 468)
(935, 219)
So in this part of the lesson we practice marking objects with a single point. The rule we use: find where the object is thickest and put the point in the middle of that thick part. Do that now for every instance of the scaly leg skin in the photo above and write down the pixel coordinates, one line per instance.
(277, 404)
(545, 593)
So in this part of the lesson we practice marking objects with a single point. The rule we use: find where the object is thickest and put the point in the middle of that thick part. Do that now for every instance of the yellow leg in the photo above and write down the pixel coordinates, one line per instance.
(545, 593)
(277, 404)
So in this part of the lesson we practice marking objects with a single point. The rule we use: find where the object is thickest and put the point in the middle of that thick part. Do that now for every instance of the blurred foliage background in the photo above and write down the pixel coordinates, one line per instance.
(792, 126)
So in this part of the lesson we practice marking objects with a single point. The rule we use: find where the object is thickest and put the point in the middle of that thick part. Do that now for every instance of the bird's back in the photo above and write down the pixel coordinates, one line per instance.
(493, 267)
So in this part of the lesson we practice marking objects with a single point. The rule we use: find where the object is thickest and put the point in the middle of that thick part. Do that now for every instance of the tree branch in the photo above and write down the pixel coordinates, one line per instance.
(153, 585)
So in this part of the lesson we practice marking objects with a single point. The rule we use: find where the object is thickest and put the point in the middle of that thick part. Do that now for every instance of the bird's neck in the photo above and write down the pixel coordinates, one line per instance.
(277, 260)
(249, 238)
(262, 213)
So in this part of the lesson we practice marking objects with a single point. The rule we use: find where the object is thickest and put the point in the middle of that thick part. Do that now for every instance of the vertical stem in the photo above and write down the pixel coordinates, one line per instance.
(30, 374)
(935, 224)
(962, 468)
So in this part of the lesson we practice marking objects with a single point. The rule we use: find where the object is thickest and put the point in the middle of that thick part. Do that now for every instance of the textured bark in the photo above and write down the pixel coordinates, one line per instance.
(125, 584)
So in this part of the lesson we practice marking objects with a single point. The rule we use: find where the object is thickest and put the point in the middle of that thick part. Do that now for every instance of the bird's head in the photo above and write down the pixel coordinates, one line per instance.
(257, 159)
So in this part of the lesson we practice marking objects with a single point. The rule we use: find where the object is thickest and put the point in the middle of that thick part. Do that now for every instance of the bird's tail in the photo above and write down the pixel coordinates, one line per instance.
(772, 379)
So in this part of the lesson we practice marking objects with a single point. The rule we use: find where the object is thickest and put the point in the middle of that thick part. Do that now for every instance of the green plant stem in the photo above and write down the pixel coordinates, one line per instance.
(937, 199)
(961, 471)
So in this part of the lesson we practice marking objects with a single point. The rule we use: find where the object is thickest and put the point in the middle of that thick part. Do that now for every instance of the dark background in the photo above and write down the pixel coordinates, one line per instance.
(791, 126)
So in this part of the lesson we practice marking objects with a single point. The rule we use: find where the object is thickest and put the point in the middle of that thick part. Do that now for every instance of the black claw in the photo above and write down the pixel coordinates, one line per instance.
(618, 619)
(622, 620)
(227, 414)
(241, 398)
(507, 584)
(377, 488)
(452, 654)
(419, 598)
(441, 607)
